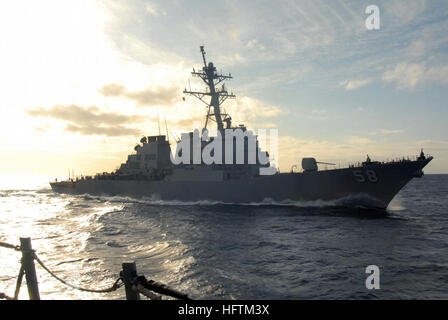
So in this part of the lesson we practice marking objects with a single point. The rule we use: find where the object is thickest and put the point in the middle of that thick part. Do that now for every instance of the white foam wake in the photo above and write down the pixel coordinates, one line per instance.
(351, 201)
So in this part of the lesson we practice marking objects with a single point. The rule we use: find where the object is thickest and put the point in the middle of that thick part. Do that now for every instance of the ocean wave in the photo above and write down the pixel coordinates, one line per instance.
(359, 201)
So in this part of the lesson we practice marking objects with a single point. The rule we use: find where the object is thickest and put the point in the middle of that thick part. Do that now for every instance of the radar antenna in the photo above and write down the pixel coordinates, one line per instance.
(211, 78)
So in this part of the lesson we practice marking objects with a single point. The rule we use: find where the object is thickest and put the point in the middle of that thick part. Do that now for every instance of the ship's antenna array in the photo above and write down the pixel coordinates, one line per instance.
(211, 78)
(166, 126)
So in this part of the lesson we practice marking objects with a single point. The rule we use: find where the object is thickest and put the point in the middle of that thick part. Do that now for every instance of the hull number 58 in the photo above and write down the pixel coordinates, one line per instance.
(368, 175)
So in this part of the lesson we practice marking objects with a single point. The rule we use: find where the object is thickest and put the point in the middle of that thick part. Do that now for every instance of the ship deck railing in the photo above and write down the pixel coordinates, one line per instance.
(358, 164)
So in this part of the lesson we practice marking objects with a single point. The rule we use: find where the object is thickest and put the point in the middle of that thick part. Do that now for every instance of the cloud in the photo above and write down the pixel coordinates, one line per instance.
(112, 90)
(153, 10)
(90, 120)
(256, 45)
(386, 131)
(252, 112)
(165, 96)
(405, 75)
(319, 111)
(404, 12)
(230, 60)
(115, 131)
(354, 140)
(438, 74)
(409, 75)
(434, 145)
(416, 49)
(355, 84)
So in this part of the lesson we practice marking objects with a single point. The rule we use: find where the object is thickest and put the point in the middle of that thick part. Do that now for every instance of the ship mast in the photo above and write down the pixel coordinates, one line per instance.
(218, 95)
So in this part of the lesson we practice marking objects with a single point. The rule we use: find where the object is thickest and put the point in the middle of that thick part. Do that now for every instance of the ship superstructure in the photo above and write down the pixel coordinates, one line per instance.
(152, 160)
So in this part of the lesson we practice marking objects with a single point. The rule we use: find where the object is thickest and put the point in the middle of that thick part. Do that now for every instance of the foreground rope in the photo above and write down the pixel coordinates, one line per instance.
(9, 246)
(114, 287)
(148, 294)
(161, 288)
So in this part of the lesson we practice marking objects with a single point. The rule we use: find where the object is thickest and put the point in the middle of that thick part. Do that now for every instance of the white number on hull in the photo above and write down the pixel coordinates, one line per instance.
(360, 177)
(371, 175)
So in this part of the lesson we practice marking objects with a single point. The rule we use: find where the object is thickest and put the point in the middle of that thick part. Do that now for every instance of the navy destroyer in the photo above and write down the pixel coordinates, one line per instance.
(205, 168)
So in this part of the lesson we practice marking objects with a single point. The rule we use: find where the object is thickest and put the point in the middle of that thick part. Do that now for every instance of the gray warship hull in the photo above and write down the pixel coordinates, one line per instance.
(373, 185)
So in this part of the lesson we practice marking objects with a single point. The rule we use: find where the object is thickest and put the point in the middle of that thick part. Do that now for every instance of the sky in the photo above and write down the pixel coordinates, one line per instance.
(83, 81)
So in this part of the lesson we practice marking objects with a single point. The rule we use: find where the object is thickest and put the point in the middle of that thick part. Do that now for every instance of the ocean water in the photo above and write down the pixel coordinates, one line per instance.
(217, 251)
